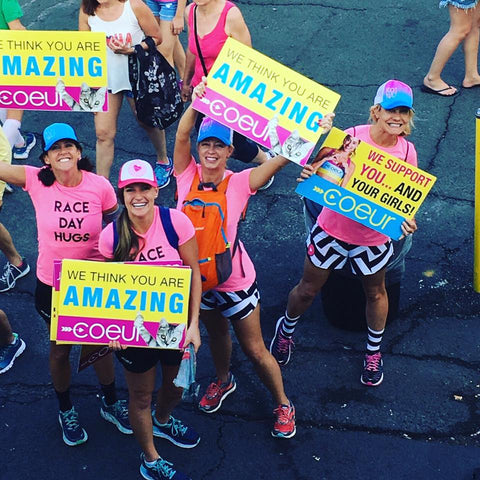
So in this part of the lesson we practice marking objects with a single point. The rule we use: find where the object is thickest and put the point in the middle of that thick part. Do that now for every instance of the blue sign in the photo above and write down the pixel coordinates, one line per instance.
(351, 205)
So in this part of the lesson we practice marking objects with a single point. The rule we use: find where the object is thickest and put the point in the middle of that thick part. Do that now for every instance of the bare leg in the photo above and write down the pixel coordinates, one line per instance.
(168, 41)
(6, 334)
(105, 130)
(376, 300)
(156, 136)
(470, 49)
(460, 26)
(219, 340)
(8, 248)
(169, 395)
(105, 370)
(179, 57)
(303, 294)
(249, 335)
(140, 389)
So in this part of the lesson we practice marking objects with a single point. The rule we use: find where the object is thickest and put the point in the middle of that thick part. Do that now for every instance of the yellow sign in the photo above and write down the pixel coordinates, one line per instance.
(266, 101)
(49, 70)
(366, 184)
(136, 304)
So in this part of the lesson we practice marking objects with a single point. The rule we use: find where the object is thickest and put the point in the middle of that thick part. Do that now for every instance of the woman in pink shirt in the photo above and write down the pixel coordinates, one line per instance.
(70, 202)
(237, 299)
(145, 234)
(216, 20)
(335, 240)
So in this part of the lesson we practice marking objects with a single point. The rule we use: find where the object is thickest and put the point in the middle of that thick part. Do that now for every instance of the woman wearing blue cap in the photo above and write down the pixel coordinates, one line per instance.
(335, 240)
(70, 202)
(235, 299)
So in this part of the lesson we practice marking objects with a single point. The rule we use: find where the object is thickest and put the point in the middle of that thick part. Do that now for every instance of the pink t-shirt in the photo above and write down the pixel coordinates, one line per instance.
(69, 219)
(154, 244)
(344, 228)
(210, 44)
(238, 194)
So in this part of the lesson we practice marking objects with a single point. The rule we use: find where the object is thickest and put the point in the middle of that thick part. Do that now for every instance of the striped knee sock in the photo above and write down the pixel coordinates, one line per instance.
(374, 340)
(288, 325)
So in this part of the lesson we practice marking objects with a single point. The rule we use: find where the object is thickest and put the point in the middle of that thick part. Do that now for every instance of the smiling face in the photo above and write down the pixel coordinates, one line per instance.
(213, 154)
(63, 156)
(139, 199)
(394, 121)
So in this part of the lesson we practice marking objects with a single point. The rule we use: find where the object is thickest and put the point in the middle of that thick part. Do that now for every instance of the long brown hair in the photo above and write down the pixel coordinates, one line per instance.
(128, 244)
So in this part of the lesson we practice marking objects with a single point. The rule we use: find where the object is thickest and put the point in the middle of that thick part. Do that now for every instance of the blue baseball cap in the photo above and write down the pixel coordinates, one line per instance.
(212, 129)
(57, 131)
(393, 94)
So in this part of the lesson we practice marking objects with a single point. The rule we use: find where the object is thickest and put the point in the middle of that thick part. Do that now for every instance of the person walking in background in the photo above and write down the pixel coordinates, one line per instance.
(16, 266)
(170, 17)
(126, 23)
(464, 27)
(210, 23)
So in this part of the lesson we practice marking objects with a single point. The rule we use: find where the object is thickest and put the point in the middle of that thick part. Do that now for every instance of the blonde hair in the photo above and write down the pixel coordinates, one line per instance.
(374, 109)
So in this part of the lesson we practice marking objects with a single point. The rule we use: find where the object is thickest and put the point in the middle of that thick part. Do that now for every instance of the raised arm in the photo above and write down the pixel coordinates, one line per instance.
(182, 151)
(261, 174)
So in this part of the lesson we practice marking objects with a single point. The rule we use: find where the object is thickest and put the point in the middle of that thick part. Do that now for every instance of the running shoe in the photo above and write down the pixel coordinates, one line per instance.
(11, 274)
(117, 414)
(163, 171)
(174, 430)
(372, 370)
(73, 433)
(160, 470)
(216, 394)
(21, 153)
(284, 426)
(281, 346)
(10, 352)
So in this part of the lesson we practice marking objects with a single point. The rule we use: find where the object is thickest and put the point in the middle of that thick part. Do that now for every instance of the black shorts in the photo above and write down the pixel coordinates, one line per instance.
(43, 300)
(140, 360)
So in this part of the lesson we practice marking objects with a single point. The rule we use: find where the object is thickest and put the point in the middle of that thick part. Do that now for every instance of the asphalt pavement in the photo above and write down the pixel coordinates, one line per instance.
(423, 422)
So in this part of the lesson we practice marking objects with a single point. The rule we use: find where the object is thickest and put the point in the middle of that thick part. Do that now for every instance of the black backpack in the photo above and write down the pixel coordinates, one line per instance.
(154, 86)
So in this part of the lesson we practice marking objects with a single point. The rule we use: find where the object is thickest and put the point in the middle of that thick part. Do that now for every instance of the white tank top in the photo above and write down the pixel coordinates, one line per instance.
(125, 28)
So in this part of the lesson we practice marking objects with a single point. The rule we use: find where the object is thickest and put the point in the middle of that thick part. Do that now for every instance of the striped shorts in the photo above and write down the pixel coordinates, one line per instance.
(232, 305)
(330, 253)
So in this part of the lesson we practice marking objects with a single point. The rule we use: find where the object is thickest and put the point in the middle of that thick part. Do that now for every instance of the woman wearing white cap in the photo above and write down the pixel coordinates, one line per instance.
(70, 202)
(147, 233)
(335, 240)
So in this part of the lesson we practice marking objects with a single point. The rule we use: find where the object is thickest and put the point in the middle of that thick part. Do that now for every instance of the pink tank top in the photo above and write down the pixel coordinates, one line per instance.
(210, 44)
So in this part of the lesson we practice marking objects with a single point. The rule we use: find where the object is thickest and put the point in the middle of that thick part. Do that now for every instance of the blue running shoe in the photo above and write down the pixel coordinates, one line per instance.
(21, 153)
(117, 414)
(174, 430)
(73, 433)
(10, 352)
(163, 171)
(160, 470)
